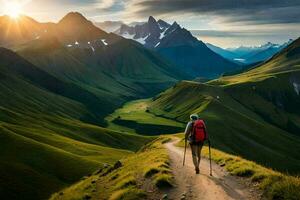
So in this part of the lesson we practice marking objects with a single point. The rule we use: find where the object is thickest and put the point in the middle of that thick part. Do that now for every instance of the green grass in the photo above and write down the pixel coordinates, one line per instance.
(35, 165)
(274, 185)
(136, 112)
(163, 181)
(128, 194)
(126, 182)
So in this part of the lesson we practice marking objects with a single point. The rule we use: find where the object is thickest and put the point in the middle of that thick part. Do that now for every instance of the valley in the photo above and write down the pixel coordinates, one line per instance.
(143, 122)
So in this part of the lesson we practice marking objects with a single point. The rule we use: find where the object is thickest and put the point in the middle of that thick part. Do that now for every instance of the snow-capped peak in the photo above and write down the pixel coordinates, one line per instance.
(150, 34)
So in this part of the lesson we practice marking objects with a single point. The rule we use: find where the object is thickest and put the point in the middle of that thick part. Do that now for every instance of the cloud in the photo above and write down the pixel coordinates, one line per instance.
(242, 34)
(251, 11)
(105, 4)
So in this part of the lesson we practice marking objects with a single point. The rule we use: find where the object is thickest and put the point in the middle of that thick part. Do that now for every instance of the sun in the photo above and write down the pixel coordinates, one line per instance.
(13, 9)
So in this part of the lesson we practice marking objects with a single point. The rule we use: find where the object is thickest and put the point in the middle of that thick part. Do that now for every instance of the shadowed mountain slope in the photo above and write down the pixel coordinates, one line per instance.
(108, 69)
(45, 145)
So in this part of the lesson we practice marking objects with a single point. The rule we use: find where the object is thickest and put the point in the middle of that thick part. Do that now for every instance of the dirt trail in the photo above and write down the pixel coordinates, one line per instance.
(202, 186)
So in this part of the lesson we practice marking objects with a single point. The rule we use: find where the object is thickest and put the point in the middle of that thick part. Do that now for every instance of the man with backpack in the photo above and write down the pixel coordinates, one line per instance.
(196, 134)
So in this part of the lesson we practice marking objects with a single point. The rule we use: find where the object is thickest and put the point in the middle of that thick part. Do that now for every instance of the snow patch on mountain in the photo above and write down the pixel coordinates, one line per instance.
(163, 34)
(142, 40)
(239, 59)
(296, 88)
(103, 41)
(128, 36)
(150, 34)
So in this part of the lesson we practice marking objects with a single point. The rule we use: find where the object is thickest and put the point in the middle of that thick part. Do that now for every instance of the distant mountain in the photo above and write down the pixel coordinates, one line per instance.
(284, 62)
(223, 52)
(75, 27)
(72, 28)
(148, 34)
(266, 52)
(179, 46)
(245, 50)
(109, 26)
(136, 23)
(254, 54)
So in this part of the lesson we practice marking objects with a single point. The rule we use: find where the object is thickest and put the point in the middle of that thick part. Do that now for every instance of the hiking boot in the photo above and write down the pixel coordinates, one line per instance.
(197, 170)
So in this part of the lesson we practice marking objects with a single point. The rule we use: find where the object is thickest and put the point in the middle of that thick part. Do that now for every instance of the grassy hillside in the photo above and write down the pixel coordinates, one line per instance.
(254, 114)
(44, 144)
(273, 86)
(135, 178)
(233, 127)
(132, 178)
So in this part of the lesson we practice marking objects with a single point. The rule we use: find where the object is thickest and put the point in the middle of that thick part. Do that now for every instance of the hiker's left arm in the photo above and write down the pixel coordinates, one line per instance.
(187, 130)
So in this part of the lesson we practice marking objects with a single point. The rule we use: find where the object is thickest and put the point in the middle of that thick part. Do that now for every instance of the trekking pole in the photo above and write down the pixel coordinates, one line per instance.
(209, 158)
(184, 151)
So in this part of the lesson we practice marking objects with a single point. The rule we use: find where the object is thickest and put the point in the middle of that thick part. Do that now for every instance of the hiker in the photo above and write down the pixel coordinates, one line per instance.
(196, 134)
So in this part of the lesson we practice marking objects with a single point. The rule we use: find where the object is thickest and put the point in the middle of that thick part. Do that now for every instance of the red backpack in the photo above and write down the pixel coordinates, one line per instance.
(198, 131)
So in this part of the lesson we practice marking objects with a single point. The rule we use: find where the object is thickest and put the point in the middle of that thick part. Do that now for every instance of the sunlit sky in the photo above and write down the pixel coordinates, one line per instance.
(226, 23)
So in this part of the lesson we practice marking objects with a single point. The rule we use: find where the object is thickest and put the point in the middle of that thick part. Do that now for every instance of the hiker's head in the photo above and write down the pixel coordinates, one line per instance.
(194, 117)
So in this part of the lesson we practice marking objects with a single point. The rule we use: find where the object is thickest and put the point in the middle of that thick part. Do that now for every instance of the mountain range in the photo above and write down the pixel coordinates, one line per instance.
(141, 32)
(60, 81)
(90, 57)
(180, 47)
(250, 55)
(25, 29)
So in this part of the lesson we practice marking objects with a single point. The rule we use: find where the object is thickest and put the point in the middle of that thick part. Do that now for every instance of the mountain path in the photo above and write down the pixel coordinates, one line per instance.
(191, 186)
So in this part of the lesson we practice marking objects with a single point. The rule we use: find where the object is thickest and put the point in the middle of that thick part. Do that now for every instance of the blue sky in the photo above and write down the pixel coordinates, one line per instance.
(225, 23)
